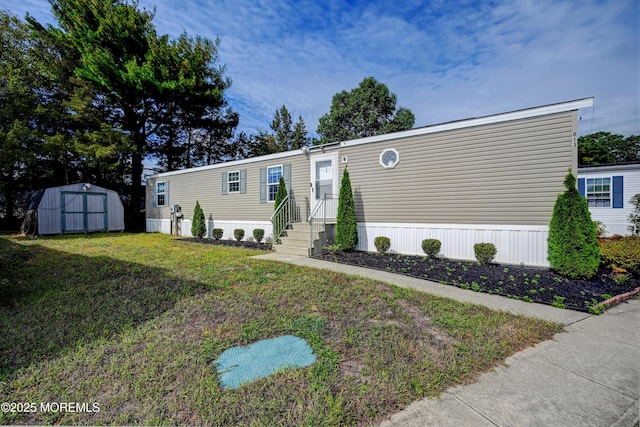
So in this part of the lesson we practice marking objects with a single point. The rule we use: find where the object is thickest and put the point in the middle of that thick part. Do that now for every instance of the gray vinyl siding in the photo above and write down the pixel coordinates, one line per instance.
(50, 210)
(506, 173)
(205, 185)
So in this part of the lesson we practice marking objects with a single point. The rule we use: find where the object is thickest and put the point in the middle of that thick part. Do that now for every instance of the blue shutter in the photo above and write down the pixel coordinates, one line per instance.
(581, 187)
(263, 185)
(286, 174)
(618, 192)
(155, 194)
(224, 183)
(166, 193)
(243, 181)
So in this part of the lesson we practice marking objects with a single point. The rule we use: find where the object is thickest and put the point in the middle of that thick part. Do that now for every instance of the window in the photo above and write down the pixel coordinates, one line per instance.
(389, 158)
(233, 182)
(160, 193)
(273, 177)
(599, 192)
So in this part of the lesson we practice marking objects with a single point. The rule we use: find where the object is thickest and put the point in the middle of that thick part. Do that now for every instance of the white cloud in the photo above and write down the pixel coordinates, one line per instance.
(444, 60)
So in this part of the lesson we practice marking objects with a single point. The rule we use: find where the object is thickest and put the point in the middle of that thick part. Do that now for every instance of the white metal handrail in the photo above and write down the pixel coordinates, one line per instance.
(319, 224)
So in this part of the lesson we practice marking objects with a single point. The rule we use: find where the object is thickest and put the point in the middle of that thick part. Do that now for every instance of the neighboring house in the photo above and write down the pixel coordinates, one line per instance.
(74, 208)
(608, 189)
(489, 179)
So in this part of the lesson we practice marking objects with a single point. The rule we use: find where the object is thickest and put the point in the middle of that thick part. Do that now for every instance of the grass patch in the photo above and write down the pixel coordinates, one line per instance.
(134, 323)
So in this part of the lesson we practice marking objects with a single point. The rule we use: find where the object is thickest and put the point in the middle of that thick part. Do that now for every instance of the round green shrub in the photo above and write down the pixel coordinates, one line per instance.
(216, 233)
(622, 253)
(485, 252)
(258, 234)
(239, 234)
(382, 244)
(431, 247)
(573, 246)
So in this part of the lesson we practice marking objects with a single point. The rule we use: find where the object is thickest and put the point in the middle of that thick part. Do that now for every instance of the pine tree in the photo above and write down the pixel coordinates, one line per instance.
(346, 228)
(573, 247)
(198, 226)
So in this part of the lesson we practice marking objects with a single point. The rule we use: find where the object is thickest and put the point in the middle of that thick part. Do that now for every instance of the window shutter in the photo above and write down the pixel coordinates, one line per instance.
(581, 187)
(166, 194)
(263, 185)
(155, 194)
(286, 174)
(618, 192)
(224, 183)
(243, 181)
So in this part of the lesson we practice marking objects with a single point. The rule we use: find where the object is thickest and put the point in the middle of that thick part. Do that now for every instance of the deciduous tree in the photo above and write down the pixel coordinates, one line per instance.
(370, 109)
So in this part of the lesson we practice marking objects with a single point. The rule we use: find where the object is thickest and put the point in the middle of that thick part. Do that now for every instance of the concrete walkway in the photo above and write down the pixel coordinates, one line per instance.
(586, 376)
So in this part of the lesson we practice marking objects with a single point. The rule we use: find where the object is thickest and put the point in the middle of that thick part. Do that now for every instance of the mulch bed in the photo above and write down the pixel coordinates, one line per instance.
(531, 284)
(234, 243)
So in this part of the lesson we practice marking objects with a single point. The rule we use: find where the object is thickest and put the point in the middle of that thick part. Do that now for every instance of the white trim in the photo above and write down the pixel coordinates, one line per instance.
(158, 193)
(461, 124)
(515, 243)
(586, 192)
(312, 175)
(229, 182)
(164, 226)
(268, 183)
(391, 166)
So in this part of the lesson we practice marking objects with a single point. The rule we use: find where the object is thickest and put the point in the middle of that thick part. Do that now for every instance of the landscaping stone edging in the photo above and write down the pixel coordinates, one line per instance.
(618, 299)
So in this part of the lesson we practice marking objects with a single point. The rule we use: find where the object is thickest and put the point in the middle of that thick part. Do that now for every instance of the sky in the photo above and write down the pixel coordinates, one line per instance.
(444, 60)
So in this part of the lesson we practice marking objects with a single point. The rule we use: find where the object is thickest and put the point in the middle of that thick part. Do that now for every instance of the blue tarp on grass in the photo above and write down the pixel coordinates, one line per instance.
(239, 365)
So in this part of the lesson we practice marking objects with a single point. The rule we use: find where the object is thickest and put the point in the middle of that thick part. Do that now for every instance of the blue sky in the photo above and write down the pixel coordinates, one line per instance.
(444, 60)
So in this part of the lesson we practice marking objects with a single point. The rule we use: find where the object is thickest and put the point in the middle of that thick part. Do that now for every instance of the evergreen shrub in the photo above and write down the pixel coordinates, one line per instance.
(484, 252)
(239, 234)
(431, 247)
(216, 233)
(281, 221)
(382, 244)
(573, 246)
(198, 226)
(258, 234)
(346, 227)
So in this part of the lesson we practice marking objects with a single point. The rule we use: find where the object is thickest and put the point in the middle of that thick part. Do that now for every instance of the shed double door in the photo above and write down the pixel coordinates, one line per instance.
(83, 212)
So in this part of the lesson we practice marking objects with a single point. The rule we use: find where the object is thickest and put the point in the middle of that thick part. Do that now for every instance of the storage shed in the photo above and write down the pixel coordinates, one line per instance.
(74, 208)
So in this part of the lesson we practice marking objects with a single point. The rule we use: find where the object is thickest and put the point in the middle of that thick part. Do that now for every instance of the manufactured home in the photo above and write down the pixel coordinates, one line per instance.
(609, 189)
(74, 208)
(489, 179)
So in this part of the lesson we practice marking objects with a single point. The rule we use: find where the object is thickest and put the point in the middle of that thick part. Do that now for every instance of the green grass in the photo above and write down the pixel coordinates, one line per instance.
(134, 323)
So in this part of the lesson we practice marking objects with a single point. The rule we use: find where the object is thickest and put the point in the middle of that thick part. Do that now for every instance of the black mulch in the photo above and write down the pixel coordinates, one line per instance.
(234, 243)
(531, 284)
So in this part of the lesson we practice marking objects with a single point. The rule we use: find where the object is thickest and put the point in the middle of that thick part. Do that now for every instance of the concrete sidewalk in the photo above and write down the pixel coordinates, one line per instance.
(586, 376)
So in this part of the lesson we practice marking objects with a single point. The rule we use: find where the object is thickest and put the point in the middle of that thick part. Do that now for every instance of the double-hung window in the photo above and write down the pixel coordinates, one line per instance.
(233, 182)
(273, 177)
(599, 192)
(161, 193)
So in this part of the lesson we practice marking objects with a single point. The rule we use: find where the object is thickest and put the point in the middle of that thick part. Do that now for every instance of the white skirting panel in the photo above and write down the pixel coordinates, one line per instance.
(164, 226)
(515, 243)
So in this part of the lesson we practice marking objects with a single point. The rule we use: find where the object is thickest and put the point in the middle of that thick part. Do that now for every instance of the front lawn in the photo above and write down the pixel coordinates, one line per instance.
(133, 322)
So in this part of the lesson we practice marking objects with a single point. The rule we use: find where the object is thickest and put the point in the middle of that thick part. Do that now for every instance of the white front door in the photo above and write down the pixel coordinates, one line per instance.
(324, 181)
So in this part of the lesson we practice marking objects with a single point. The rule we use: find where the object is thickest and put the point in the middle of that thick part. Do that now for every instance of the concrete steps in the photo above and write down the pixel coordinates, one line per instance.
(296, 241)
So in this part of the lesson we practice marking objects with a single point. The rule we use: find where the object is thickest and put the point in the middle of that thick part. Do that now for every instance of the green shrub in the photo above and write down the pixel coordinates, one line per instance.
(281, 221)
(239, 234)
(634, 216)
(485, 252)
(258, 234)
(198, 226)
(346, 227)
(431, 247)
(216, 233)
(622, 253)
(382, 244)
(573, 247)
